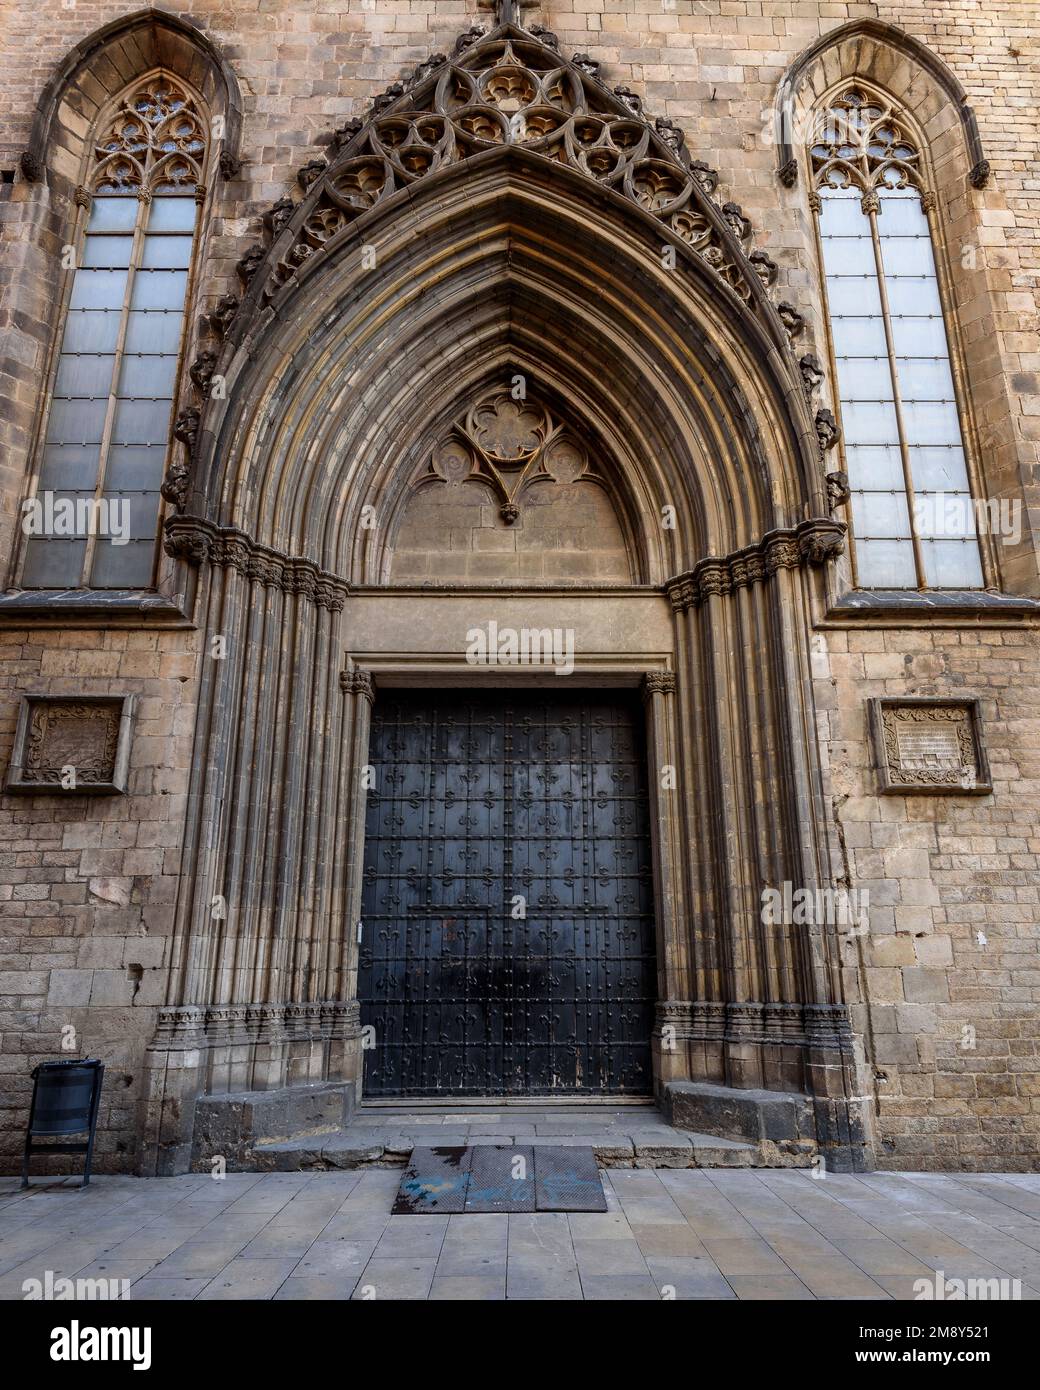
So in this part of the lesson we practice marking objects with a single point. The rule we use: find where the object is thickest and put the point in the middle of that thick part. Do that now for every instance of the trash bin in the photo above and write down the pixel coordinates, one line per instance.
(64, 1101)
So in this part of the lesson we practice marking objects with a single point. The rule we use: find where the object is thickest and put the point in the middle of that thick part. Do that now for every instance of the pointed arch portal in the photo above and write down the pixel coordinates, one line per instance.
(510, 315)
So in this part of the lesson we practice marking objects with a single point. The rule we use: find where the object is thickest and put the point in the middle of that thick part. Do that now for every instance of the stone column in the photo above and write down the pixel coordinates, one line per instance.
(769, 1012)
(256, 926)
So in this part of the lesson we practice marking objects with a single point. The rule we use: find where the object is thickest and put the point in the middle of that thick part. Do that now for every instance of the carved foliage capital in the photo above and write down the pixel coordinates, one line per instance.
(197, 541)
(811, 543)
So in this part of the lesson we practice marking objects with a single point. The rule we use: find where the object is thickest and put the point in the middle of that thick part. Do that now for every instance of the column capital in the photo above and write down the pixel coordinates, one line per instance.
(357, 682)
(658, 683)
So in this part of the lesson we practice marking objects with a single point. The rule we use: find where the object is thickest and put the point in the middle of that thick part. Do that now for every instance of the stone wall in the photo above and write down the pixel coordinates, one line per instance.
(87, 885)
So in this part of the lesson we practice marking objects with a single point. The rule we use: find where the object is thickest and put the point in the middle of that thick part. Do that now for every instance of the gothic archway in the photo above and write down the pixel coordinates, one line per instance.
(504, 216)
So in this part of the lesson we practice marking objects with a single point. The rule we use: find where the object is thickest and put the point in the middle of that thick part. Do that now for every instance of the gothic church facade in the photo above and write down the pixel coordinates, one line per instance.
(521, 577)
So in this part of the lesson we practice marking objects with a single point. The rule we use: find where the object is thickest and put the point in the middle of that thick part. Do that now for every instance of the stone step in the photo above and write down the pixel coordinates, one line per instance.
(367, 1146)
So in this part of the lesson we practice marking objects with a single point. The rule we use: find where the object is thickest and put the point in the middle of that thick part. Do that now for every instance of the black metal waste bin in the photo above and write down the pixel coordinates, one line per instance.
(65, 1100)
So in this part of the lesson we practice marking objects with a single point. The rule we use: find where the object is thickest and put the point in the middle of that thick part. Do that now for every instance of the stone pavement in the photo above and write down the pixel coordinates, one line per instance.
(687, 1234)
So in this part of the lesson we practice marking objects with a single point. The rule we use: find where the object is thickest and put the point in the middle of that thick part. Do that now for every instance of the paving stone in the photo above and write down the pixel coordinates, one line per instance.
(248, 1279)
(689, 1278)
(768, 1286)
(668, 1239)
(620, 1288)
(476, 1288)
(167, 1290)
(404, 1236)
(396, 1278)
(198, 1259)
(319, 1288)
(609, 1257)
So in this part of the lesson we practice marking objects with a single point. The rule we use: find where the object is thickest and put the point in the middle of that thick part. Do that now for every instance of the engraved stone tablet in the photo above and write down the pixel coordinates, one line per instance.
(71, 745)
(929, 745)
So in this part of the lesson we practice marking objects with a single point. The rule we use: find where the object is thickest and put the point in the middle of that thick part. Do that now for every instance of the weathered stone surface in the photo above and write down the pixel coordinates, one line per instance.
(943, 989)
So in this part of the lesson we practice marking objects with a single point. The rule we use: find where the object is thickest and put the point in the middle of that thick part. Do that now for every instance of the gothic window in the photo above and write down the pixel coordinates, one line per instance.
(108, 422)
(912, 518)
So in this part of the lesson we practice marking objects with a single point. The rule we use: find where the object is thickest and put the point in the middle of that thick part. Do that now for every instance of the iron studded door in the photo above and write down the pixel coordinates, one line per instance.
(508, 937)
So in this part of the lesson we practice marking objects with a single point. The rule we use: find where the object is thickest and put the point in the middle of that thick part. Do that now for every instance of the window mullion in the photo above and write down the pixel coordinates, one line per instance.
(870, 201)
(817, 210)
(136, 251)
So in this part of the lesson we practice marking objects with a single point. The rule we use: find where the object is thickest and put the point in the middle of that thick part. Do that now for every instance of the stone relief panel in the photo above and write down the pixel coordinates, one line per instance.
(929, 745)
(71, 745)
(510, 494)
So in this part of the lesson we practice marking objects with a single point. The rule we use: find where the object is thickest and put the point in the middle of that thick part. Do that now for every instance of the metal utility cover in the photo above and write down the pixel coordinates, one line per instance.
(435, 1181)
(501, 1178)
(567, 1179)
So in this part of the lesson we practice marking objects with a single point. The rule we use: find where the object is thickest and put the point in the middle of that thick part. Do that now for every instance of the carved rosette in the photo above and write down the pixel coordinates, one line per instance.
(812, 543)
(508, 446)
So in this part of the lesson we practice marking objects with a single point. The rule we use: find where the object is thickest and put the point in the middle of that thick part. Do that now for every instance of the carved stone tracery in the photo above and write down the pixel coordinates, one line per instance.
(507, 445)
(156, 142)
(860, 142)
(514, 88)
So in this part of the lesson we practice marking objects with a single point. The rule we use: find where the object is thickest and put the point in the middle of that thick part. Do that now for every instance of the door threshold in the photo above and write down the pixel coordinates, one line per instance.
(499, 1102)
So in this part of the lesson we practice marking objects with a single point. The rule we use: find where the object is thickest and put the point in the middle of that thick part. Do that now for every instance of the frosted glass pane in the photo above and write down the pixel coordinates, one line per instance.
(842, 215)
(91, 330)
(952, 564)
(172, 251)
(901, 214)
(924, 379)
(919, 337)
(159, 289)
(907, 255)
(83, 376)
(137, 513)
(931, 422)
(849, 256)
(123, 566)
(855, 336)
(98, 289)
(881, 514)
(886, 564)
(874, 468)
(869, 422)
(68, 466)
(141, 422)
(172, 215)
(147, 376)
(864, 379)
(913, 295)
(53, 564)
(944, 514)
(153, 332)
(939, 469)
(112, 214)
(135, 468)
(106, 250)
(857, 294)
(76, 422)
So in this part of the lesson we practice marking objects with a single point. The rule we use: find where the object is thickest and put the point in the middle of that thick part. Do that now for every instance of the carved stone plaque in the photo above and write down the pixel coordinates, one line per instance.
(71, 745)
(929, 745)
